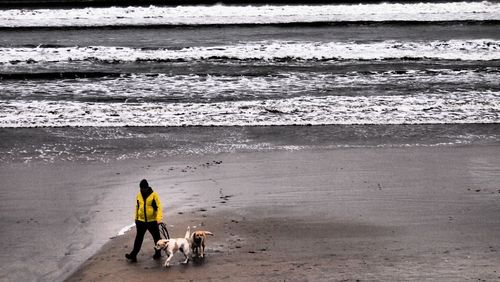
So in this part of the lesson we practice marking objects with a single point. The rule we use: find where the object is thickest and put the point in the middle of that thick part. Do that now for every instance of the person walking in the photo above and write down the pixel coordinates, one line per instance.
(148, 215)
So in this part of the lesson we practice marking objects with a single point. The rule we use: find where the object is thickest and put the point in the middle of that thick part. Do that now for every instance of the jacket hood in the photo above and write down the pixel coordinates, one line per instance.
(145, 192)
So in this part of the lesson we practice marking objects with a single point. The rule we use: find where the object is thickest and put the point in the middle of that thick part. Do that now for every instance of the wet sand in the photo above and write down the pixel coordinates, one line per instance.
(376, 214)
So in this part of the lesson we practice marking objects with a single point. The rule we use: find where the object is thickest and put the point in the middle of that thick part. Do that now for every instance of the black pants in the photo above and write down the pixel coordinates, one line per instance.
(141, 228)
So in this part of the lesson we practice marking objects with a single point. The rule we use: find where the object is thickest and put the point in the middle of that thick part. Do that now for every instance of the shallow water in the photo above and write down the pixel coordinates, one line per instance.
(100, 145)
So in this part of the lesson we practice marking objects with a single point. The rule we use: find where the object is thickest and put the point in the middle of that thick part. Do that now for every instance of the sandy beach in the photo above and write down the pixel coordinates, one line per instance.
(367, 214)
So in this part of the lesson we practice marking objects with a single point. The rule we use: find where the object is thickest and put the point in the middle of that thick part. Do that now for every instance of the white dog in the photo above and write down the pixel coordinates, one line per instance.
(171, 246)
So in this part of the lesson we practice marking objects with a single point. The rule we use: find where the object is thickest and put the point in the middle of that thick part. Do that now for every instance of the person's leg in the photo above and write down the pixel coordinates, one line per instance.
(141, 228)
(155, 232)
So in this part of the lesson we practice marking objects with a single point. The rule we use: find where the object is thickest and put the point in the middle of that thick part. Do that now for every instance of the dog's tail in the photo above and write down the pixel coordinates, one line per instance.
(188, 233)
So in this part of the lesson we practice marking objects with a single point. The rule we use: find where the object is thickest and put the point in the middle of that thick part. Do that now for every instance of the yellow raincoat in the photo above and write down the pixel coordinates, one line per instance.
(148, 210)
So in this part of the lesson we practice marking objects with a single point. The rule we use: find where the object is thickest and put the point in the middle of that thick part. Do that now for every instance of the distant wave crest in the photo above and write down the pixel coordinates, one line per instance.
(268, 14)
(273, 51)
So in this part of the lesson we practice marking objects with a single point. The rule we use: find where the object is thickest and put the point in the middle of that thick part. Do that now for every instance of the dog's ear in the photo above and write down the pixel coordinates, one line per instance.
(162, 243)
(208, 233)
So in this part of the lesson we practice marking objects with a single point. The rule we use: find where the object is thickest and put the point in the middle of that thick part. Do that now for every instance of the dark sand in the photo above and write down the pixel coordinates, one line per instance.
(368, 214)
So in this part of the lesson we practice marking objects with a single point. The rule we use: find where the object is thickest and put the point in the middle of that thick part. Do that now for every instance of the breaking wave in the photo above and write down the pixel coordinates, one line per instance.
(450, 108)
(270, 51)
(153, 87)
(267, 14)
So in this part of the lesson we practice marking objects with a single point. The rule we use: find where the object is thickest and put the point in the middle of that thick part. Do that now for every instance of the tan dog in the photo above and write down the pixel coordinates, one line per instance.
(171, 246)
(198, 239)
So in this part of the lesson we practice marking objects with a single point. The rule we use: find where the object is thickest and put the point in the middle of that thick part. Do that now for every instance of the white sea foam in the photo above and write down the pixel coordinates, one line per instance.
(199, 88)
(479, 49)
(220, 14)
(470, 107)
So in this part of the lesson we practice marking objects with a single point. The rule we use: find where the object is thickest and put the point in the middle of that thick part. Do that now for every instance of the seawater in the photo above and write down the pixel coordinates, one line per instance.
(232, 66)
(250, 65)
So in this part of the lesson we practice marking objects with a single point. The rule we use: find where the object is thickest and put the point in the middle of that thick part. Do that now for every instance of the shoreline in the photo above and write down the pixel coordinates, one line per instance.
(98, 145)
(329, 215)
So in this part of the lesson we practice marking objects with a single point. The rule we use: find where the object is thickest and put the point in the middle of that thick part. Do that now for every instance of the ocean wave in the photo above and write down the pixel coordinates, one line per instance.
(57, 75)
(267, 14)
(137, 87)
(271, 51)
(484, 74)
(453, 108)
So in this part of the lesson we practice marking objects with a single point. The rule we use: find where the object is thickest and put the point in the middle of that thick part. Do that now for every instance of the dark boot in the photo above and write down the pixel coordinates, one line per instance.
(157, 254)
(131, 257)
